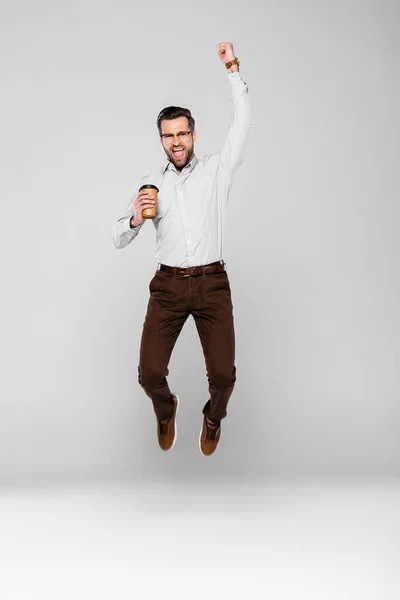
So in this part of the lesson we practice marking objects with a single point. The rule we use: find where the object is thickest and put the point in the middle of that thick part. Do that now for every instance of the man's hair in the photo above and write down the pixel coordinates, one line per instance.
(174, 112)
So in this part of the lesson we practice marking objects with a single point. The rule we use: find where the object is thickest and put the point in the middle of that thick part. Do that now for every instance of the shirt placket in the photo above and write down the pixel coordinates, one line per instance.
(185, 220)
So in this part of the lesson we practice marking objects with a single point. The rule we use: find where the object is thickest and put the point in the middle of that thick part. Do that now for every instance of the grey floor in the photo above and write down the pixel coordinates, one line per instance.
(280, 540)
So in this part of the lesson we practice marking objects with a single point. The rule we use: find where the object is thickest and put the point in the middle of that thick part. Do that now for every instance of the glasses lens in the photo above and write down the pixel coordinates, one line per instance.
(183, 136)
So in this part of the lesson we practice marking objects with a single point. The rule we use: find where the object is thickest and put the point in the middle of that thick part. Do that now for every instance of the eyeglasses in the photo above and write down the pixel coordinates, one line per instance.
(183, 136)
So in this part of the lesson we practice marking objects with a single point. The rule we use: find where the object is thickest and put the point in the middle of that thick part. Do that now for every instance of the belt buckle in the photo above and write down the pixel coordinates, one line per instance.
(182, 274)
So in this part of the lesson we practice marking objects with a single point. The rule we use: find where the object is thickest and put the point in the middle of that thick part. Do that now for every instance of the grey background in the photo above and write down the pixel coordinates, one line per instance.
(311, 248)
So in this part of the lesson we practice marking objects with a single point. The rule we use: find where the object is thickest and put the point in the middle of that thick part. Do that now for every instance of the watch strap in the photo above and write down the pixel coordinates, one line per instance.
(235, 61)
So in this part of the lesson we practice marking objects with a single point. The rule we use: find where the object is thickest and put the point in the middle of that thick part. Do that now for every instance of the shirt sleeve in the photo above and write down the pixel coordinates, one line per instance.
(232, 149)
(122, 233)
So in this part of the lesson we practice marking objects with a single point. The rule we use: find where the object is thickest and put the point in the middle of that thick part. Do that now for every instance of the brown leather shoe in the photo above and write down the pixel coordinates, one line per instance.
(166, 429)
(209, 436)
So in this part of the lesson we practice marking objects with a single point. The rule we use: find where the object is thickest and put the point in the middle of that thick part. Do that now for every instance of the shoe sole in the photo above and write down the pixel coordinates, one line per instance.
(176, 428)
(201, 431)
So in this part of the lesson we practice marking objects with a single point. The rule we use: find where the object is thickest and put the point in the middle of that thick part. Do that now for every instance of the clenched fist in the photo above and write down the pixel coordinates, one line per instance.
(225, 52)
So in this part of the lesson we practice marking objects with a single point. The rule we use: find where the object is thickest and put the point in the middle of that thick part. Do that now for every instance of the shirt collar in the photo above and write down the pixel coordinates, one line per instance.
(189, 167)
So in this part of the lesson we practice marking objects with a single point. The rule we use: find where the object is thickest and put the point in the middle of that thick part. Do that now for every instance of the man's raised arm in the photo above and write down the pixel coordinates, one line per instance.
(232, 149)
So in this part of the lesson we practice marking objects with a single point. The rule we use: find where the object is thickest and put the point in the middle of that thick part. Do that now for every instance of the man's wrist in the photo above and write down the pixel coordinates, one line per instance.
(132, 224)
(233, 64)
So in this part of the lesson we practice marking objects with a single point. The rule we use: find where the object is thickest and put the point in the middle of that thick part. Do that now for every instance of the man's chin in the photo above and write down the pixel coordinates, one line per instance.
(179, 163)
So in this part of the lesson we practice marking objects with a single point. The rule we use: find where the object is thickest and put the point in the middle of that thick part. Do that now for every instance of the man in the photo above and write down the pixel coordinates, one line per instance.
(191, 278)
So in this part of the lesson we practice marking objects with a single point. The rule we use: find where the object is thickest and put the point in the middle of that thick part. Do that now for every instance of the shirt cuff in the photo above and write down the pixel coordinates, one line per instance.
(126, 225)
(235, 77)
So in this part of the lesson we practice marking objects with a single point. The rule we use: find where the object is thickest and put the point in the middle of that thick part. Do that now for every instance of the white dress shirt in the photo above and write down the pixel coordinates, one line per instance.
(191, 209)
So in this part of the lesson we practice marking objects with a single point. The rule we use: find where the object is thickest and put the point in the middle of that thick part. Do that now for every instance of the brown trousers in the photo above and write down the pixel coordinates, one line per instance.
(207, 298)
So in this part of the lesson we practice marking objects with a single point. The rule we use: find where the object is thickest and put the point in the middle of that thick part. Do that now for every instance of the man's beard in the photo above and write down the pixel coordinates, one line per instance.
(181, 164)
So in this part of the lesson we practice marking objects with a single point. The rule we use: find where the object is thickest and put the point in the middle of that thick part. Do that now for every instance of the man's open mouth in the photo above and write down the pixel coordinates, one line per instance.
(178, 153)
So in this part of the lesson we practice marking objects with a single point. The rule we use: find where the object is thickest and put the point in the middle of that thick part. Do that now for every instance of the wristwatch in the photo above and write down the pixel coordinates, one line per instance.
(235, 61)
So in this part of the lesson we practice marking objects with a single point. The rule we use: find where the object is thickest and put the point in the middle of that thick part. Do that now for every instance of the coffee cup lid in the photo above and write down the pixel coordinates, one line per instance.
(149, 185)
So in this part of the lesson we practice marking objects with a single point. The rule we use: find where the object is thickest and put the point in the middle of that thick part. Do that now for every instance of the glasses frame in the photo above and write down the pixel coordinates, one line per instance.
(173, 136)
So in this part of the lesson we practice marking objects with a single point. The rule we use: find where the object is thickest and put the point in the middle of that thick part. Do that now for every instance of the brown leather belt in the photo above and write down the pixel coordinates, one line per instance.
(215, 267)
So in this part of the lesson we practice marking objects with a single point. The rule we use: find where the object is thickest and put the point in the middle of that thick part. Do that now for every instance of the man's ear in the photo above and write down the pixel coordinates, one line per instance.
(194, 135)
